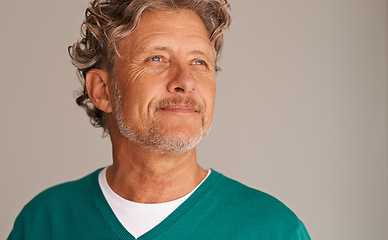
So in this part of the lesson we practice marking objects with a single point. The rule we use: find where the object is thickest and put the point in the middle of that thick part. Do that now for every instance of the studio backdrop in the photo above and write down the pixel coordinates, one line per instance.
(301, 109)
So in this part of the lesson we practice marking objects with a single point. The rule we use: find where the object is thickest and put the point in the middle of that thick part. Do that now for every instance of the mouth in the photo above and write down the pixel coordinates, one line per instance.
(178, 105)
(180, 109)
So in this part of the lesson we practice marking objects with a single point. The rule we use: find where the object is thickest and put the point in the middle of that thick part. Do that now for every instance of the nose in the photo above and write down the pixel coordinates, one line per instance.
(182, 80)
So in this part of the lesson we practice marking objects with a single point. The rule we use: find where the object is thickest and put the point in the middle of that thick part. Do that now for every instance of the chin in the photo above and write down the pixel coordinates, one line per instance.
(175, 143)
(173, 138)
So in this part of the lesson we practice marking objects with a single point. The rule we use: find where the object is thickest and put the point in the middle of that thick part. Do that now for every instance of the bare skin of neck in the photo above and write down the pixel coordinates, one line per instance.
(140, 175)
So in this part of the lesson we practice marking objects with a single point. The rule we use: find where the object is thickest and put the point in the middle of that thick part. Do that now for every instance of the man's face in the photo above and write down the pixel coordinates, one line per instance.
(164, 83)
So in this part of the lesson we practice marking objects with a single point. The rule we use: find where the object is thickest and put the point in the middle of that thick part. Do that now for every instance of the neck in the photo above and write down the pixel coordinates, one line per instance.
(142, 175)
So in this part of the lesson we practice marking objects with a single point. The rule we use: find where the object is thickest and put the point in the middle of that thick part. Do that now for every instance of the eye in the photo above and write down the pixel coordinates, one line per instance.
(199, 62)
(156, 59)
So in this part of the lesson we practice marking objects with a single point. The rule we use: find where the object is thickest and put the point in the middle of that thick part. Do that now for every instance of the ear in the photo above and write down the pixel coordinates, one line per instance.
(96, 81)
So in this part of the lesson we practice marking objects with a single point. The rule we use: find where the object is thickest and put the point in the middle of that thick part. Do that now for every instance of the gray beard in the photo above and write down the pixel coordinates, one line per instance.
(153, 138)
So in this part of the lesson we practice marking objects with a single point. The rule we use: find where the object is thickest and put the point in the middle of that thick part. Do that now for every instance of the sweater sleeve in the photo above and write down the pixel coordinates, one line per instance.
(301, 233)
(18, 230)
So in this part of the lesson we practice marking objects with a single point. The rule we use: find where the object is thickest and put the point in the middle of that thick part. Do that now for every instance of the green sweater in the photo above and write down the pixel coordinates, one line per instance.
(220, 208)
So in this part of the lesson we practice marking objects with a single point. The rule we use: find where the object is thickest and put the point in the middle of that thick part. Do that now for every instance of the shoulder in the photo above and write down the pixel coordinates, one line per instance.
(256, 208)
(57, 202)
(247, 196)
(64, 192)
(65, 211)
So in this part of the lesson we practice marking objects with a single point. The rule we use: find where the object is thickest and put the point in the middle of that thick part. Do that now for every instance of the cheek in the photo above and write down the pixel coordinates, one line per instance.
(211, 93)
(132, 84)
(144, 88)
(208, 86)
(135, 76)
(136, 82)
(208, 92)
(205, 77)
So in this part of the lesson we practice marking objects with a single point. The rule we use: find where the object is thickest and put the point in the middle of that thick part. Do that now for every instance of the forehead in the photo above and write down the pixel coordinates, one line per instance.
(182, 28)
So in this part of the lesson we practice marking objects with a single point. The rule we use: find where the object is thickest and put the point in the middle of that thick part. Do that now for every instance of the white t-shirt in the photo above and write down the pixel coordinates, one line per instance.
(139, 218)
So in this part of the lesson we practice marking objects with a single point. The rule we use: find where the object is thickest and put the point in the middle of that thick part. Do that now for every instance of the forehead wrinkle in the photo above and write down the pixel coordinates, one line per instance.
(202, 53)
(150, 49)
(149, 38)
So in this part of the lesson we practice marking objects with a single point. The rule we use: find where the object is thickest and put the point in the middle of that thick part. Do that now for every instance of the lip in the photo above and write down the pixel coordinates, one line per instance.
(180, 109)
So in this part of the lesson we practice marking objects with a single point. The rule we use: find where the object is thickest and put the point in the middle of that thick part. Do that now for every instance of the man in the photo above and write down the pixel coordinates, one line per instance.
(148, 70)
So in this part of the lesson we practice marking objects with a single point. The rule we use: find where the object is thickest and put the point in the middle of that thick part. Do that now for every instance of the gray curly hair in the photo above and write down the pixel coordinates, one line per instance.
(108, 21)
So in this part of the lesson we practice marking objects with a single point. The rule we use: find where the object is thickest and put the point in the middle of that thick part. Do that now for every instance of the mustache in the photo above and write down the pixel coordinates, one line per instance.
(179, 101)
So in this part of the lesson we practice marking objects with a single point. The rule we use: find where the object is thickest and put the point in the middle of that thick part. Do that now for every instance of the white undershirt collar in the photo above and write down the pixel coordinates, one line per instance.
(139, 218)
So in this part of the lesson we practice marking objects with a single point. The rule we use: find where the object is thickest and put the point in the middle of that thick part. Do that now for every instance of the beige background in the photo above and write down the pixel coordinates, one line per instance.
(301, 109)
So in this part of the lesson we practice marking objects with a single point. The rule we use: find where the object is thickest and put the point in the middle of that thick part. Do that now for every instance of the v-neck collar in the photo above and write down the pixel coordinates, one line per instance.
(122, 233)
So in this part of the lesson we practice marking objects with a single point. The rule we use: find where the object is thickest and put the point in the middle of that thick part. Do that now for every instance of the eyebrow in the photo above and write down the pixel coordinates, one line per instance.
(168, 49)
(199, 52)
(157, 48)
